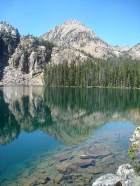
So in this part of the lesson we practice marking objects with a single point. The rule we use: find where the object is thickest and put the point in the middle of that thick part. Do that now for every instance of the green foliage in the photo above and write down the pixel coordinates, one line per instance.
(97, 72)
(40, 42)
(133, 154)
(45, 43)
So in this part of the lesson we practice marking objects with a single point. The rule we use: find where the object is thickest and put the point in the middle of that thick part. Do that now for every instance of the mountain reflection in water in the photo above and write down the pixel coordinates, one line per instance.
(69, 115)
(44, 132)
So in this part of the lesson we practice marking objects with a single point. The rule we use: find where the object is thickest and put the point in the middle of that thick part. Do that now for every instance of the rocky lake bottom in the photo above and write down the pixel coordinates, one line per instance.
(81, 164)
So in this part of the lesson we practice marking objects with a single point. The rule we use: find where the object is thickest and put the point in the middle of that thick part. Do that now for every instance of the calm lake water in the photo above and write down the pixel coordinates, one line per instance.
(64, 136)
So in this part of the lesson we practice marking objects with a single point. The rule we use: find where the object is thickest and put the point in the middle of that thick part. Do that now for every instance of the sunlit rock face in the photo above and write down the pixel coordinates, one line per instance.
(74, 35)
(26, 63)
(60, 55)
(133, 53)
(20, 58)
(28, 57)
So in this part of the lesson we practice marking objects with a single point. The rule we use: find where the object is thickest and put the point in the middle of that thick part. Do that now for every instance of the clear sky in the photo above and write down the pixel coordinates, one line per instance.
(115, 21)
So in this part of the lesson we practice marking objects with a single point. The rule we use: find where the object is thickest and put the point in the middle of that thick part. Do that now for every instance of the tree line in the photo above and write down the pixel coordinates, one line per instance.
(97, 72)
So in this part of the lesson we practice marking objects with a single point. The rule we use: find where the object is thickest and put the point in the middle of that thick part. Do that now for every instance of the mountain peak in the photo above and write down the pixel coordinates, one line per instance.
(71, 33)
(73, 21)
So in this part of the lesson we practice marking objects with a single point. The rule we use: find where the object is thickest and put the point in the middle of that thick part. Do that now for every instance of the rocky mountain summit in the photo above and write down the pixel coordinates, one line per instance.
(73, 42)
(74, 35)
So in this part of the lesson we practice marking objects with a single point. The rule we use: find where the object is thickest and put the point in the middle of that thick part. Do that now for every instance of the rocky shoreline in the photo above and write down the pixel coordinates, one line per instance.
(125, 175)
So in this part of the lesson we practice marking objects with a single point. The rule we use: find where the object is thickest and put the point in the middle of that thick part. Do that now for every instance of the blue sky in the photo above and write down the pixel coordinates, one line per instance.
(115, 21)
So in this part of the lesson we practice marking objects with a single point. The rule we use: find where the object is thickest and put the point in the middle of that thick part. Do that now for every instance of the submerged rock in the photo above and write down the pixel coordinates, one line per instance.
(108, 160)
(67, 167)
(31, 182)
(42, 177)
(84, 157)
(95, 170)
(62, 157)
(58, 178)
(97, 152)
(83, 162)
(63, 167)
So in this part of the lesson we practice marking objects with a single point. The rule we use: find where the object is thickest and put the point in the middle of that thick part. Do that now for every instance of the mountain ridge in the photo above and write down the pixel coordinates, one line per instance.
(74, 34)
(73, 42)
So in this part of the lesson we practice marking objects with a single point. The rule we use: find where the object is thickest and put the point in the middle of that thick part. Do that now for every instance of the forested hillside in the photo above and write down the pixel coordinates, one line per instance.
(95, 72)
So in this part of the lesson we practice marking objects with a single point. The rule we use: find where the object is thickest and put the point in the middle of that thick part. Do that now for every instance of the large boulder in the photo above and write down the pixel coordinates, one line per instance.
(127, 174)
(108, 180)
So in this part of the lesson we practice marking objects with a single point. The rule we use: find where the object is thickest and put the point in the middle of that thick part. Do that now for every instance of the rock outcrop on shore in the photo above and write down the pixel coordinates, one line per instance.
(108, 180)
(125, 176)
(136, 138)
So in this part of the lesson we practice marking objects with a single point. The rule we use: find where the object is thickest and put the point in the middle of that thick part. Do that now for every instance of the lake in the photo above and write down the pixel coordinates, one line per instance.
(64, 136)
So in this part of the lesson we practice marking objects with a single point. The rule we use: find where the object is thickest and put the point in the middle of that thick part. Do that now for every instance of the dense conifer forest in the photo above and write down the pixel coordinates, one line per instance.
(95, 72)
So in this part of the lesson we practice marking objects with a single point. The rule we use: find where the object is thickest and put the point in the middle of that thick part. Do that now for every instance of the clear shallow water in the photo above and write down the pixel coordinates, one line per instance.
(44, 131)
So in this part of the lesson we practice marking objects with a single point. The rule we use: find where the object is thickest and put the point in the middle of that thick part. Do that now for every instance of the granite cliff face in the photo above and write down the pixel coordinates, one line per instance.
(26, 56)
(22, 57)
(59, 55)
